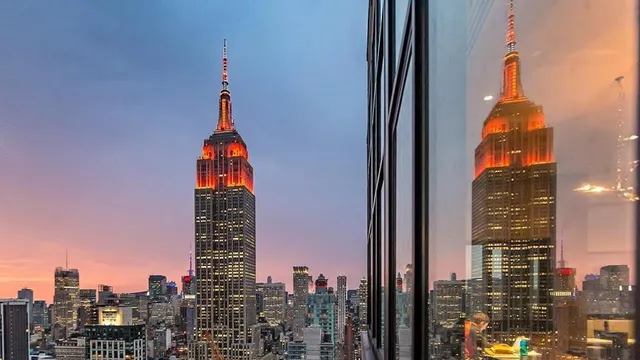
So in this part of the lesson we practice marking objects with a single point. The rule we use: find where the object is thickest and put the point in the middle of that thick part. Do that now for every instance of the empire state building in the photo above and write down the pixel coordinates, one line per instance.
(225, 238)
(514, 210)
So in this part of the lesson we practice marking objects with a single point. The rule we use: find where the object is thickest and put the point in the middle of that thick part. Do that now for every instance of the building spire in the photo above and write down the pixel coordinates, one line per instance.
(66, 258)
(562, 263)
(511, 29)
(190, 263)
(225, 118)
(225, 75)
(511, 84)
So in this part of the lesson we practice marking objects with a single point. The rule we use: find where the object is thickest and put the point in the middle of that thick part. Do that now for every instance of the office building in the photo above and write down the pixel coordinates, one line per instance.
(449, 301)
(225, 235)
(66, 302)
(273, 301)
(300, 293)
(40, 316)
(14, 329)
(157, 287)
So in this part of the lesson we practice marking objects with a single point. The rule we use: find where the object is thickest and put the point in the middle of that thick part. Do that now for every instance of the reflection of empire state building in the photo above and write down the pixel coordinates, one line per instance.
(514, 210)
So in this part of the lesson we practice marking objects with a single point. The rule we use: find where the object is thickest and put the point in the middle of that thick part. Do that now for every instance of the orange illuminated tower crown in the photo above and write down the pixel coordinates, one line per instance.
(514, 113)
(224, 161)
(514, 211)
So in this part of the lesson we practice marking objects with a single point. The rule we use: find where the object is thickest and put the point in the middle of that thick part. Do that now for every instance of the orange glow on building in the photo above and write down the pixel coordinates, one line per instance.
(224, 162)
(514, 132)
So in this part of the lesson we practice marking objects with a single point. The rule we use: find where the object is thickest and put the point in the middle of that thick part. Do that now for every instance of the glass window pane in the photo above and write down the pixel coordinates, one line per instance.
(532, 191)
(401, 11)
(404, 220)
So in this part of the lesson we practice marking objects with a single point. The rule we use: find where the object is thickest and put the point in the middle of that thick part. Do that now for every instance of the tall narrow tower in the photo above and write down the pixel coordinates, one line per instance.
(300, 294)
(341, 296)
(514, 209)
(225, 235)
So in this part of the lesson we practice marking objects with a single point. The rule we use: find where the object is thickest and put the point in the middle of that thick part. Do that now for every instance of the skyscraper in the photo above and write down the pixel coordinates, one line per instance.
(300, 292)
(341, 296)
(514, 209)
(14, 329)
(225, 235)
(66, 301)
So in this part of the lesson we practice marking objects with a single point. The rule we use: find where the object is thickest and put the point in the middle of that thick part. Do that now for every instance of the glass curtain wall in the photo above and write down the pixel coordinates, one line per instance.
(502, 178)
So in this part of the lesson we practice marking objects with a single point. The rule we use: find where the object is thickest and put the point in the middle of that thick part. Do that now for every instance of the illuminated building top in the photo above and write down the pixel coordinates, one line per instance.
(224, 162)
(514, 132)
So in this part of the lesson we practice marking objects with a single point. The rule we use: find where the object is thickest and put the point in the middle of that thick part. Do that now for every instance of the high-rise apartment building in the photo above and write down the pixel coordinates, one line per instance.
(300, 292)
(514, 209)
(274, 301)
(341, 296)
(225, 235)
(66, 301)
(14, 329)
(322, 313)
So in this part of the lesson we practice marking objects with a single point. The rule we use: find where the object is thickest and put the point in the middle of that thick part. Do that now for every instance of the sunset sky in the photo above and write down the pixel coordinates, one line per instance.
(103, 110)
(104, 106)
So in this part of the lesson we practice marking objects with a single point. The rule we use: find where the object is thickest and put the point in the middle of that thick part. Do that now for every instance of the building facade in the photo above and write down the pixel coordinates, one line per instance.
(14, 329)
(116, 342)
(300, 293)
(225, 235)
(66, 301)
(274, 301)
(341, 296)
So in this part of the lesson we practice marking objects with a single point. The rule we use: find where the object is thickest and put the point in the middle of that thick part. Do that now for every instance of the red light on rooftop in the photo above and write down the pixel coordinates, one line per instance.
(565, 271)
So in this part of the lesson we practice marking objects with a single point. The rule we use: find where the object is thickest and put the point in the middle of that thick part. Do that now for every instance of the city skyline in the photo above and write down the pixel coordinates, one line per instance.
(29, 98)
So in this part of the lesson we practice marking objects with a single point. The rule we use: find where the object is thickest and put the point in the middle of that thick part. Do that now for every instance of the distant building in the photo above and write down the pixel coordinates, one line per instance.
(66, 301)
(14, 329)
(341, 296)
(300, 292)
(322, 310)
(157, 286)
(449, 300)
(116, 342)
(72, 349)
(27, 294)
(363, 294)
(40, 316)
(274, 302)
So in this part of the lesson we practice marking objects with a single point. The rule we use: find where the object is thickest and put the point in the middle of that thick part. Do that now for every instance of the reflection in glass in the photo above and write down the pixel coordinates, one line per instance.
(401, 11)
(404, 220)
(542, 265)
